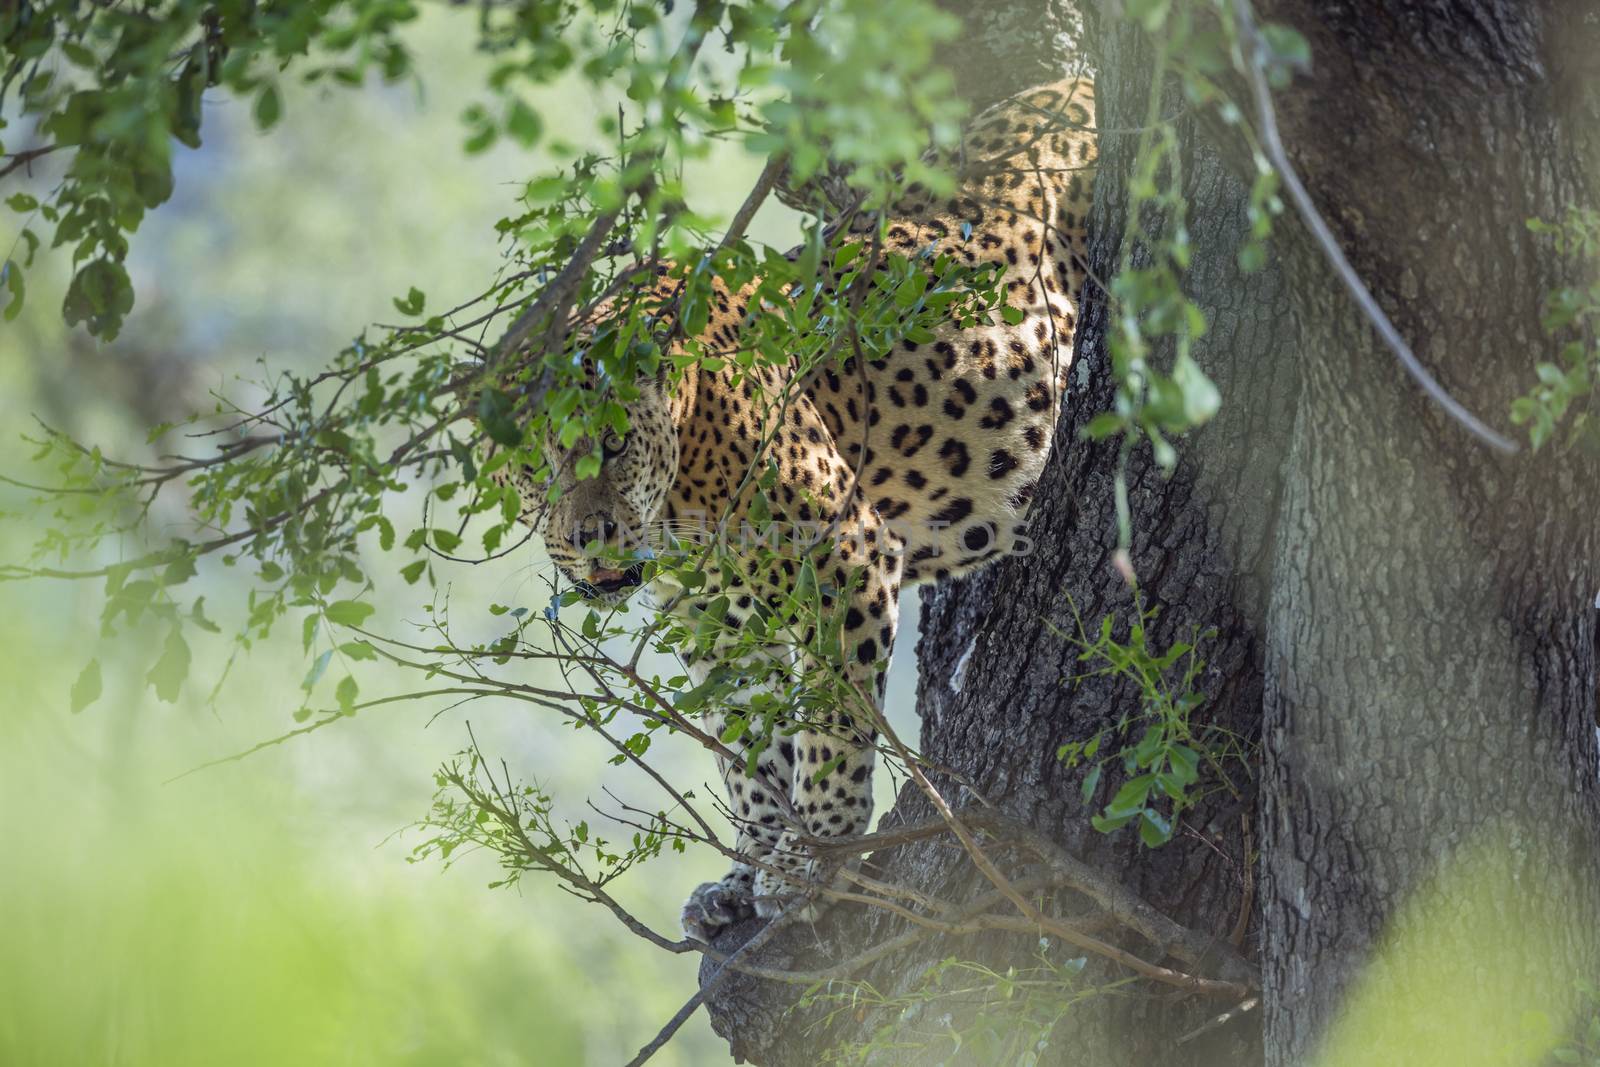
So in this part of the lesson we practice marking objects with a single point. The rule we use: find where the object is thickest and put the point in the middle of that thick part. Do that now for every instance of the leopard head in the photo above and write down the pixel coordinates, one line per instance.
(594, 528)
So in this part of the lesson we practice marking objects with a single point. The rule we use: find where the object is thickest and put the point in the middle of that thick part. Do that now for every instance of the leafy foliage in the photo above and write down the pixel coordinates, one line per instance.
(1572, 313)
(474, 810)
(1162, 768)
(119, 87)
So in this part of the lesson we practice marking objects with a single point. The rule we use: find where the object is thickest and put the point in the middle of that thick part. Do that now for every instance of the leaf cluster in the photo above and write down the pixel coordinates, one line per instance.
(1566, 385)
(1162, 767)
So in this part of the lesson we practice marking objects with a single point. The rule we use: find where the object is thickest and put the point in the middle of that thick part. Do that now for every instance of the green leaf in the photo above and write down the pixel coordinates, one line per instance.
(1103, 425)
(1550, 374)
(1185, 763)
(269, 106)
(1200, 397)
(810, 255)
(349, 612)
(1091, 781)
(385, 532)
(412, 571)
(358, 650)
(1287, 45)
(99, 295)
(1131, 797)
(346, 693)
(1106, 824)
(1540, 431)
(86, 690)
(1154, 829)
(412, 304)
(172, 668)
(524, 124)
(495, 410)
(318, 666)
(484, 132)
(12, 275)
(197, 614)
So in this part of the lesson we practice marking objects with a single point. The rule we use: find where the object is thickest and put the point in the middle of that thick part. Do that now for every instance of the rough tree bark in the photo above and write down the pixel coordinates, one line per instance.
(1413, 614)
(1430, 703)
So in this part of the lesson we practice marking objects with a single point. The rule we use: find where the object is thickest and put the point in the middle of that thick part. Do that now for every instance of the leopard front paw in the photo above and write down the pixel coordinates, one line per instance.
(712, 908)
(794, 881)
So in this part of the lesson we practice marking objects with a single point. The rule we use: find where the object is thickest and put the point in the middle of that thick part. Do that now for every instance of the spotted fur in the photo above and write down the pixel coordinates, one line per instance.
(924, 462)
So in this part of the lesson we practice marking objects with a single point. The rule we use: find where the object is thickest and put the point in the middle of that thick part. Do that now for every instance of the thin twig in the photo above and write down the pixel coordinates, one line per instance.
(1232, 1013)
(326, 718)
(22, 159)
(1247, 900)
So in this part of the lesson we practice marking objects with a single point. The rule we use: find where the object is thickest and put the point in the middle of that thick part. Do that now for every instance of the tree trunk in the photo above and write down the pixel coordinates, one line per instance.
(1431, 803)
(1412, 614)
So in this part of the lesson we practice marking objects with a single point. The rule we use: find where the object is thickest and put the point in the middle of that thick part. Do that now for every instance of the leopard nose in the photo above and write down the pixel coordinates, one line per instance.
(593, 527)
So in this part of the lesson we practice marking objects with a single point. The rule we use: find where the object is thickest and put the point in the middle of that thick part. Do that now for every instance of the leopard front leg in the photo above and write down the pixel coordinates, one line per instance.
(834, 754)
(757, 811)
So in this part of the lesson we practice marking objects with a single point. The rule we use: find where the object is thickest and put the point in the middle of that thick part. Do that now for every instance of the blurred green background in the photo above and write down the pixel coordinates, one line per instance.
(262, 912)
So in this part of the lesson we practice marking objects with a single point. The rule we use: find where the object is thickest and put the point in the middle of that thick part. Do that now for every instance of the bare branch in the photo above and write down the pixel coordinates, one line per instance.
(1226, 1017)
(23, 159)
(753, 201)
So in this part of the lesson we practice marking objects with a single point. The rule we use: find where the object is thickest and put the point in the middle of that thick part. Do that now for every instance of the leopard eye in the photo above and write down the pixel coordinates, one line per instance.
(613, 444)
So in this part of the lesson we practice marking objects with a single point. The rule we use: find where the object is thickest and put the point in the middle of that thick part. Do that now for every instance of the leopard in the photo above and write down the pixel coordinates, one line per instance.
(922, 461)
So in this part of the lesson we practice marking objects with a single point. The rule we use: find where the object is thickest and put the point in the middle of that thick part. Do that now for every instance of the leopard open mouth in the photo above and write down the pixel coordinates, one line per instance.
(604, 583)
